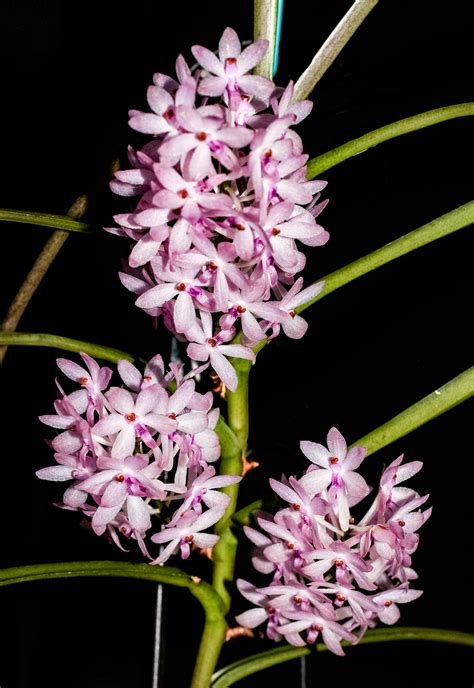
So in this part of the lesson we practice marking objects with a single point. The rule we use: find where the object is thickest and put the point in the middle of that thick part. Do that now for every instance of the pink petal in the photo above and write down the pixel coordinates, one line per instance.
(256, 86)
(251, 56)
(208, 60)
(229, 44)
(224, 369)
(124, 444)
(336, 443)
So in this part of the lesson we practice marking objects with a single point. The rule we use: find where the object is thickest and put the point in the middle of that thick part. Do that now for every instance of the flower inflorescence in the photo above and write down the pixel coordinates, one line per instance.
(332, 576)
(137, 452)
(223, 202)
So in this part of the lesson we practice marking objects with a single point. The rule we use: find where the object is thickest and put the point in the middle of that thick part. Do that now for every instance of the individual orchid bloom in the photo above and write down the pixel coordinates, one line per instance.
(204, 138)
(268, 148)
(264, 611)
(335, 470)
(133, 419)
(247, 305)
(294, 326)
(187, 532)
(314, 624)
(387, 601)
(193, 198)
(128, 480)
(163, 120)
(206, 346)
(228, 72)
(290, 544)
(218, 268)
(310, 511)
(71, 467)
(154, 374)
(390, 495)
(362, 606)
(204, 490)
(184, 290)
(94, 380)
(344, 560)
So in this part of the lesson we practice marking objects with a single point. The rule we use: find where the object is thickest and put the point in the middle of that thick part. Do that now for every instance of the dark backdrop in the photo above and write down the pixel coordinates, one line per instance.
(70, 72)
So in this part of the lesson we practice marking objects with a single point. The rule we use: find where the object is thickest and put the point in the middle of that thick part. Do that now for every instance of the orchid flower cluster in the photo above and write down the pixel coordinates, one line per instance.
(331, 575)
(223, 201)
(139, 451)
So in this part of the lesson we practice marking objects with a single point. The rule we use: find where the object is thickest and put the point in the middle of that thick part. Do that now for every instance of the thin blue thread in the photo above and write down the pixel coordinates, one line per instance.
(279, 23)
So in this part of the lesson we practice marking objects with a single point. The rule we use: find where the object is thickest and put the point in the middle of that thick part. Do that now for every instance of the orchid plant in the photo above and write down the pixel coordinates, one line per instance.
(224, 211)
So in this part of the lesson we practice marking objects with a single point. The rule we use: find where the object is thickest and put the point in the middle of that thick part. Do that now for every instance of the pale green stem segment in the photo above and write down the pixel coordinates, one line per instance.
(233, 444)
(38, 271)
(332, 47)
(229, 675)
(454, 392)
(436, 229)
(63, 222)
(264, 26)
(55, 341)
(324, 162)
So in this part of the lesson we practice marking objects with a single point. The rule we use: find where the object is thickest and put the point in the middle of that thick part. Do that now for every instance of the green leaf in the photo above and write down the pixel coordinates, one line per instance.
(436, 229)
(238, 670)
(168, 575)
(55, 341)
(403, 126)
(46, 220)
(331, 47)
(441, 400)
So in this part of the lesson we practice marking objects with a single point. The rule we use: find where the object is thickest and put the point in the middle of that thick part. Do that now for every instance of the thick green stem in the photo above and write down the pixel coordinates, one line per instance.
(57, 342)
(246, 667)
(436, 229)
(264, 26)
(224, 552)
(403, 126)
(332, 47)
(233, 442)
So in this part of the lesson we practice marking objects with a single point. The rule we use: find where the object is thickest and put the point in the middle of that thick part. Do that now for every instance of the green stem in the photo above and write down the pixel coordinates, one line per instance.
(246, 667)
(63, 222)
(332, 47)
(264, 26)
(224, 552)
(460, 389)
(436, 229)
(57, 342)
(403, 126)
(441, 400)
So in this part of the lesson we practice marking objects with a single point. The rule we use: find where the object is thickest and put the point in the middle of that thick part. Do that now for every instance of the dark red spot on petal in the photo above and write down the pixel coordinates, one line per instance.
(275, 231)
(241, 309)
(212, 265)
(83, 381)
(120, 478)
(333, 460)
(340, 597)
(401, 523)
(387, 603)
(180, 286)
(183, 193)
(131, 417)
(296, 507)
(339, 563)
(212, 342)
(189, 538)
(172, 416)
(202, 136)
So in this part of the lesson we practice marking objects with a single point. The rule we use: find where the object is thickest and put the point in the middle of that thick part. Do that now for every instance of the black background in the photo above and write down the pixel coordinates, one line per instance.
(70, 72)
